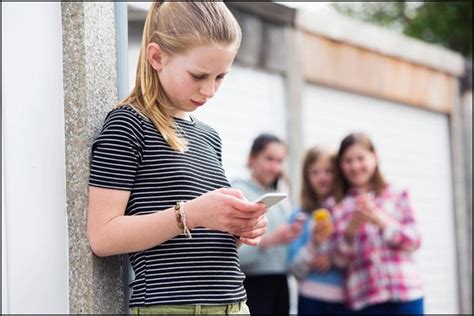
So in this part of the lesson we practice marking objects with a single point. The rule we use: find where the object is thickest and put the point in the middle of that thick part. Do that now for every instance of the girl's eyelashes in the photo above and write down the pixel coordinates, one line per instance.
(198, 77)
(202, 77)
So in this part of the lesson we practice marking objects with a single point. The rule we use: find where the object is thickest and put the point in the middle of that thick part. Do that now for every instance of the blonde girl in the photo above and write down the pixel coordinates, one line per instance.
(158, 191)
(320, 282)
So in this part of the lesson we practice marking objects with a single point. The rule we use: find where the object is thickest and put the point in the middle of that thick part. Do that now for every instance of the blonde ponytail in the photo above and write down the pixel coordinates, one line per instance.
(176, 27)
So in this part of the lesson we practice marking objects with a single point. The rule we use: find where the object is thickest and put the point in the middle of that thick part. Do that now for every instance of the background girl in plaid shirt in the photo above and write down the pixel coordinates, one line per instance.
(375, 234)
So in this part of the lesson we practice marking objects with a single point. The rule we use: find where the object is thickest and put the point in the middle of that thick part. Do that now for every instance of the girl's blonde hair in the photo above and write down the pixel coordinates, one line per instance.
(342, 186)
(176, 27)
(309, 199)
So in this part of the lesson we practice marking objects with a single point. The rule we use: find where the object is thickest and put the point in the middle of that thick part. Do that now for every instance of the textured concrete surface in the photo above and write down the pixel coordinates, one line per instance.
(274, 43)
(342, 29)
(250, 51)
(90, 91)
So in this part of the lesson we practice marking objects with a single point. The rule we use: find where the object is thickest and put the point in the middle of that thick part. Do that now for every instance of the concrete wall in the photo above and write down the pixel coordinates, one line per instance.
(90, 91)
(34, 176)
(363, 71)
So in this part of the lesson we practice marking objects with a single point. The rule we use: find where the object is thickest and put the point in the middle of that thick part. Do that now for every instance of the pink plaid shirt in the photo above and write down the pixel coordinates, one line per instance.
(380, 266)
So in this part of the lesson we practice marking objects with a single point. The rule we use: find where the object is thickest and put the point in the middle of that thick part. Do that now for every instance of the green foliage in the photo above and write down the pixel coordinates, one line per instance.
(445, 23)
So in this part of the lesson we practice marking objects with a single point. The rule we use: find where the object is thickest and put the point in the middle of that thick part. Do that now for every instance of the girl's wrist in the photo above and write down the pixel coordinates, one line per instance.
(191, 220)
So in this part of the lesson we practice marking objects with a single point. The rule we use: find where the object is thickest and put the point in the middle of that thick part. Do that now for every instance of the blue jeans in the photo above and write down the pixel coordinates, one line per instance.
(311, 306)
(414, 307)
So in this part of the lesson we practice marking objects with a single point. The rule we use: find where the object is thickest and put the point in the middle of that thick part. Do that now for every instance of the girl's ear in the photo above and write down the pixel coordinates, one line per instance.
(154, 56)
(250, 162)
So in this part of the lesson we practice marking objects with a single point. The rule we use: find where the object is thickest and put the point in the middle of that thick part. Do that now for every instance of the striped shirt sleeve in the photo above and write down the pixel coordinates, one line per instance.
(117, 151)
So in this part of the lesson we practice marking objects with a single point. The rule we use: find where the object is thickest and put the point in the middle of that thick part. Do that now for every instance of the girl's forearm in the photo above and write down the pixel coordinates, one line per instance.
(126, 234)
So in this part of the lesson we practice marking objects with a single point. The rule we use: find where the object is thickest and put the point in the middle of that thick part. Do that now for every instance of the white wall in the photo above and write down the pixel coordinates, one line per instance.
(34, 158)
(414, 149)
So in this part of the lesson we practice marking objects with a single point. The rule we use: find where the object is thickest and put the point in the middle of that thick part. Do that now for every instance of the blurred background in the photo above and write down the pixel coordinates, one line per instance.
(308, 72)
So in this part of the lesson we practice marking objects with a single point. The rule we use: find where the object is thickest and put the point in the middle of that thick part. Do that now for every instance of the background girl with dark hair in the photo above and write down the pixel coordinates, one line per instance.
(265, 265)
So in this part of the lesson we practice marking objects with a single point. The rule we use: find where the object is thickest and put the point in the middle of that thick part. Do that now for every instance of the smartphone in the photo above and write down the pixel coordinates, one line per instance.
(270, 199)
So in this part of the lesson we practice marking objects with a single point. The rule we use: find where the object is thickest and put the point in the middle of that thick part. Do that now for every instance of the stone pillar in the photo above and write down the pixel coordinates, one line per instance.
(90, 90)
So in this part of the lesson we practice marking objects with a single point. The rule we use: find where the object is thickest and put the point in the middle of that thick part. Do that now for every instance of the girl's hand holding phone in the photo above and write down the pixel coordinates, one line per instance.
(229, 211)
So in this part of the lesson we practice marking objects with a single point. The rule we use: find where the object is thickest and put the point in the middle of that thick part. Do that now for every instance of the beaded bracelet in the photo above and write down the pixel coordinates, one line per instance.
(181, 218)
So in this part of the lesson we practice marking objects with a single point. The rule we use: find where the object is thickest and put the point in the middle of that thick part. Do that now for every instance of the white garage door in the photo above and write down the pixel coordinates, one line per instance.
(414, 149)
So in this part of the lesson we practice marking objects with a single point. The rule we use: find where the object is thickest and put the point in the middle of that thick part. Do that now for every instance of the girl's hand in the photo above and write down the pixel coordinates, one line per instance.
(321, 264)
(357, 219)
(282, 235)
(370, 213)
(252, 235)
(226, 210)
(320, 233)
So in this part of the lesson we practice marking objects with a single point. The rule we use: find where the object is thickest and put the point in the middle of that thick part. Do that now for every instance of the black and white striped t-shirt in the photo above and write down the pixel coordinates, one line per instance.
(130, 154)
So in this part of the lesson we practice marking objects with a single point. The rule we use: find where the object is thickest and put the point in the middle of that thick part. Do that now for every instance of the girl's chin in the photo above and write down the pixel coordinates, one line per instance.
(269, 182)
(321, 191)
(359, 184)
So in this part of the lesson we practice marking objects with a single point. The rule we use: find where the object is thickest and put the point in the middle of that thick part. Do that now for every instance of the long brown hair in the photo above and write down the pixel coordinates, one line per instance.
(176, 27)
(342, 185)
(309, 199)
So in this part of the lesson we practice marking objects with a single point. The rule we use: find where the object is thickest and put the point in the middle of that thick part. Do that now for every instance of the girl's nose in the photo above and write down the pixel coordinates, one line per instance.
(208, 89)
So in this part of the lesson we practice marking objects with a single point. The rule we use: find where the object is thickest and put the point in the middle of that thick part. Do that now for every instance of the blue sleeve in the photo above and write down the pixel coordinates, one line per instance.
(295, 246)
